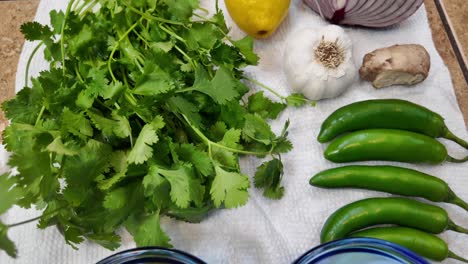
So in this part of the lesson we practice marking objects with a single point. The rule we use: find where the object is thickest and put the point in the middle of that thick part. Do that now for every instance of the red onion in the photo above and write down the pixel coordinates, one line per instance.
(368, 13)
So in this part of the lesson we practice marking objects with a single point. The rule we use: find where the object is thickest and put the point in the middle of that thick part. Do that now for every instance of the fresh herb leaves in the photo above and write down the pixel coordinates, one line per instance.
(142, 114)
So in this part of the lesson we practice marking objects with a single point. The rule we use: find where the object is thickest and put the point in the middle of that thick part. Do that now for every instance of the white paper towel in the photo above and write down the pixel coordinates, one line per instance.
(266, 231)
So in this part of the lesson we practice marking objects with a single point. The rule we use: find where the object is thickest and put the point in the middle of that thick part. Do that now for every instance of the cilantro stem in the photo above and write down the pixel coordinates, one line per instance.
(236, 150)
(210, 151)
(40, 115)
(150, 17)
(62, 39)
(34, 219)
(203, 19)
(204, 10)
(265, 87)
(114, 49)
(130, 99)
(185, 55)
(170, 32)
(185, 90)
(28, 64)
(90, 6)
(211, 143)
(75, 6)
(141, 38)
(78, 74)
(25, 222)
(273, 92)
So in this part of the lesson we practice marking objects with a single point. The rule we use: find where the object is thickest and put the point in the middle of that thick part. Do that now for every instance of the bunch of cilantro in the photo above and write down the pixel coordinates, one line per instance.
(143, 113)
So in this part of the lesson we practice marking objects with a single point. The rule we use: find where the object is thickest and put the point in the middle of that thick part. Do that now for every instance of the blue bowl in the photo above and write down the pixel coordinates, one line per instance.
(152, 255)
(360, 251)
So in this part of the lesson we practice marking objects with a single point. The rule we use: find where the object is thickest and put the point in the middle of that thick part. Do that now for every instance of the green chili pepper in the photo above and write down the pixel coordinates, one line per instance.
(387, 144)
(397, 211)
(426, 245)
(386, 113)
(391, 179)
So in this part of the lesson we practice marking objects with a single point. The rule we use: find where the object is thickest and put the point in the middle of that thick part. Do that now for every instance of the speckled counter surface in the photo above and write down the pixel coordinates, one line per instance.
(457, 19)
(14, 13)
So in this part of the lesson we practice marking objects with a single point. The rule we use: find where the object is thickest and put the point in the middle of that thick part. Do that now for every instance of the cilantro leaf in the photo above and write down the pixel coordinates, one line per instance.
(96, 78)
(264, 107)
(93, 217)
(164, 46)
(106, 125)
(233, 114)
(56, 20)
(35, 31)
(146, 230)
(25, 107)
(122, 129)
(203, 35)
(59, 91)
(112, 90)
(118, 161)
(184, 186)
(229, 188)
(72, 235)
(157, 188)
(180, 184)
(200, 159)
(109, 127)
(181, 10)
(57, 146)
(152, 180)
(191, 214)
(110, 241)
(268, 176)
(142, 150)
(217, 131)
(183, 106)
(257, 129)
(33, 164)
(116, 199)
(9, 194)
(226, 55)
(81, 170)
(231, 138)
(218, 19)
(298, 100)
(222, 88)
(245, 46)
(82, 39)
(226, 157)
(153, 82)
(282, 144)
(50, 213)
(77, 124)
(5, 243)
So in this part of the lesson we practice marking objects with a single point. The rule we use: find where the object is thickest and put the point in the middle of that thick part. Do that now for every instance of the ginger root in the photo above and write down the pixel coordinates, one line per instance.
(407, 64)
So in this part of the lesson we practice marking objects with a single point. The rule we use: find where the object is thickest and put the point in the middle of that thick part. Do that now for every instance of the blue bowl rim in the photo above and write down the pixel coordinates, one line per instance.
(178, 253)
(363, 241)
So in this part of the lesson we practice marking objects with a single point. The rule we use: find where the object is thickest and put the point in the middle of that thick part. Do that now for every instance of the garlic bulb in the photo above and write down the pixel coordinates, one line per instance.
(319, 64)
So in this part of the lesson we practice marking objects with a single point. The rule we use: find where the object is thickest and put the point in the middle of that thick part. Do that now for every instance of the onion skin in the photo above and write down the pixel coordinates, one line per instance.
(366, 13)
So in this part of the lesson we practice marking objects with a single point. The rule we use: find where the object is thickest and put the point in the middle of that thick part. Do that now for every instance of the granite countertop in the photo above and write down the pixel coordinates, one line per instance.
(447, 20)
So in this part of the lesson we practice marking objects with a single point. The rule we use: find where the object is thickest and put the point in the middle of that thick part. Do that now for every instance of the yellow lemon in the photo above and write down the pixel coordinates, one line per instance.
(258, 18)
